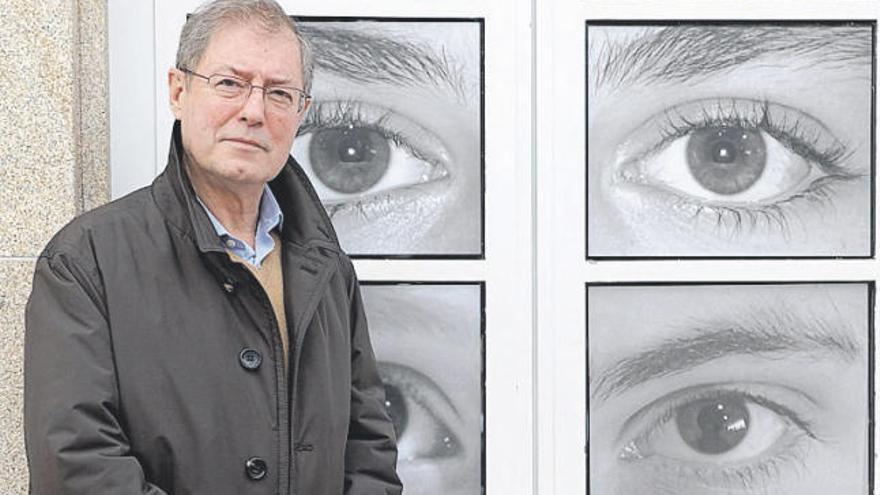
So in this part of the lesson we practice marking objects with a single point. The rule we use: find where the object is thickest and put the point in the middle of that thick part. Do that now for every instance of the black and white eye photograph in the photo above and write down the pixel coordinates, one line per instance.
(393, 139)
(746, 389)
(730, 139)
(428, 341)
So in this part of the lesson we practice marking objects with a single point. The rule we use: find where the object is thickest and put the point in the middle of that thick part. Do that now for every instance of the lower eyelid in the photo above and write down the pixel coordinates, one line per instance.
(771, 472)
(782, 213)
(734, 220)
(379, 204)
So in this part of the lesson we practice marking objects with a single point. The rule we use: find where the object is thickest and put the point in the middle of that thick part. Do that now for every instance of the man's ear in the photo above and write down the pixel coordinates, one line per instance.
(306, 104)
(176, 91)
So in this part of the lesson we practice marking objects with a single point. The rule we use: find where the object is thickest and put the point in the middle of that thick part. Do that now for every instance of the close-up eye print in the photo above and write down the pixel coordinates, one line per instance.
(392, 141)
(428, 344)
(728, 389)
(730, 140)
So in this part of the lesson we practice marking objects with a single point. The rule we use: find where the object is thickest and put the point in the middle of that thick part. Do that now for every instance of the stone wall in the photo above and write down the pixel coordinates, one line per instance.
(53, 165)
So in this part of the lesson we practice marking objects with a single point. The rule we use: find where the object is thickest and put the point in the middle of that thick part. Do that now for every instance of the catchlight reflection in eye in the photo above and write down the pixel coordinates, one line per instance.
(421, 414)
(726, 160)
(349, 160)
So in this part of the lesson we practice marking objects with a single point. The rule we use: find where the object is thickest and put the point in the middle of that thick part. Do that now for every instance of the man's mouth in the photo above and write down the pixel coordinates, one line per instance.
(250, 142)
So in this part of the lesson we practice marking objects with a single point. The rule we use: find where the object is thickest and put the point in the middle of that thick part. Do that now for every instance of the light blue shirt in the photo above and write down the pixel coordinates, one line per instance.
(270, 217)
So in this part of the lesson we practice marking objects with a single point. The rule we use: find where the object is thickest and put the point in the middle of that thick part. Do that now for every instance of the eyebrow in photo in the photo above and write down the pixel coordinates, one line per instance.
(682, 53)
(770, 332)
(379, 59)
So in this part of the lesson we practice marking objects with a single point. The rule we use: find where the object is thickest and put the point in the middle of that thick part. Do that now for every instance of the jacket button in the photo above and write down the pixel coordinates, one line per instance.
(256, 468)
(228, 286)
(250, 359)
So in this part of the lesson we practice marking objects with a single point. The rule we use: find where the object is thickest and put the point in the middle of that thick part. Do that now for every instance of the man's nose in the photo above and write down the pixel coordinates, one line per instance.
(254, 107)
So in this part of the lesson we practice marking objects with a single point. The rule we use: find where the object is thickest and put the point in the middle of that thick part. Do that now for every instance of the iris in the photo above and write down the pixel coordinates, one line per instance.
(713, 426)
(726, 160)
(349, 159)
(395, 405)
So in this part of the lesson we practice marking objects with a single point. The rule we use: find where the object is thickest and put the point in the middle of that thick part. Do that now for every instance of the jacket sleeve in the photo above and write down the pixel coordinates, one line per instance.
(74, 439)
(371, 450)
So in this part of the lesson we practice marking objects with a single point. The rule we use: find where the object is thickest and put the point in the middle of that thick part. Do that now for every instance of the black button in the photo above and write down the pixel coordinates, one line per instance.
(250, 359)
(256, 468)
(229, 286)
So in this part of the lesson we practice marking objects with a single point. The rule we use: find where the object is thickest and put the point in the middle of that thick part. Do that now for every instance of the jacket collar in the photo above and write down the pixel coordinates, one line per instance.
(306, 223)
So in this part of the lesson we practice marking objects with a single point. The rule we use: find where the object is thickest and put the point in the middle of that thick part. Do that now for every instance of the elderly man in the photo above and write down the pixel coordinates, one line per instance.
(205, 335)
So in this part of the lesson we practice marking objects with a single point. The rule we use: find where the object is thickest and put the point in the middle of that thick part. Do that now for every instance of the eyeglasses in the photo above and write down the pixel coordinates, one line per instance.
(282, 99)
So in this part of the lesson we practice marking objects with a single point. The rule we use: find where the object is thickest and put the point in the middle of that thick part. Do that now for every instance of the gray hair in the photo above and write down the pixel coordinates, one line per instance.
(267, 14)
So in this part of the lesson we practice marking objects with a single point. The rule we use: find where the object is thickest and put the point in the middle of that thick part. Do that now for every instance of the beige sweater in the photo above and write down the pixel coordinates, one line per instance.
(269, 276)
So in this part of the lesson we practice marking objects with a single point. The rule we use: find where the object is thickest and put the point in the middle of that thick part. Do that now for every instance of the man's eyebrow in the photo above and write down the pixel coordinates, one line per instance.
(244, 74)
(375, 58)
(766, 333)
(677, 54)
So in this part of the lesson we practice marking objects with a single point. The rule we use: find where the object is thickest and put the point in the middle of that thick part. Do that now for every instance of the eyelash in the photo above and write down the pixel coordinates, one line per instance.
(747, 477)
(757, 115)
(329, 115)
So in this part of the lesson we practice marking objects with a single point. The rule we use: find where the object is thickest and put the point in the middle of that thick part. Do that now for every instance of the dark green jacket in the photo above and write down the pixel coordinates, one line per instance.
(153, 363)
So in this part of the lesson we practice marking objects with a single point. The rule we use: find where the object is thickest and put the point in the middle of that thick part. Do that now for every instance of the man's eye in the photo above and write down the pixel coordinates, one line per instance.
(228, 83)
(420, 413)
(720, 438)
(280, 95)
(740, 158)
(355, 156)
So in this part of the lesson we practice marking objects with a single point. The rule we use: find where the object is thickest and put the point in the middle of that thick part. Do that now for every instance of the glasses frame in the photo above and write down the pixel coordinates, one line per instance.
(300, 106)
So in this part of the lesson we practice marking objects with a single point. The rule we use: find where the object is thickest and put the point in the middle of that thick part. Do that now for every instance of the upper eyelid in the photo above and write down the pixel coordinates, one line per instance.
(673, 123)
(418, 140)
(682, 396)
(425, 383)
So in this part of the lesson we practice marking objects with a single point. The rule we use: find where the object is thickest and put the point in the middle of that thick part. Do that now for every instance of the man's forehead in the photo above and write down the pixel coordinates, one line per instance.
(246, 48)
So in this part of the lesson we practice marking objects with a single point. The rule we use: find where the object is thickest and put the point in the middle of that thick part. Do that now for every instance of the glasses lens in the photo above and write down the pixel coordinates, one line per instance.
(281, 97)
(228, 86)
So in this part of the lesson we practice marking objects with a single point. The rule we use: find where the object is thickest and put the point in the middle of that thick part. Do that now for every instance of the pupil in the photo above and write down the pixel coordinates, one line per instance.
(349, 159)
(396, 408)
(713, 426)
(724, 153)
(352, 148)
(726, 160)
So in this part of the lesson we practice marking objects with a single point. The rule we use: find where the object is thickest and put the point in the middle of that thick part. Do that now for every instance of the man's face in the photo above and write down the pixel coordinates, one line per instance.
(234, 143)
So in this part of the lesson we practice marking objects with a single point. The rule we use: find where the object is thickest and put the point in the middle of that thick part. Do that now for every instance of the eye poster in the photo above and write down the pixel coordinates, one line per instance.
(747, 388)
(393, 140)
(730, 139)
(428, 341)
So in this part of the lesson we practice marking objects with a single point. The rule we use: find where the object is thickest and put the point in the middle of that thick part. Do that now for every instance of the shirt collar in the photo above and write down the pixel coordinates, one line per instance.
(270, 217)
